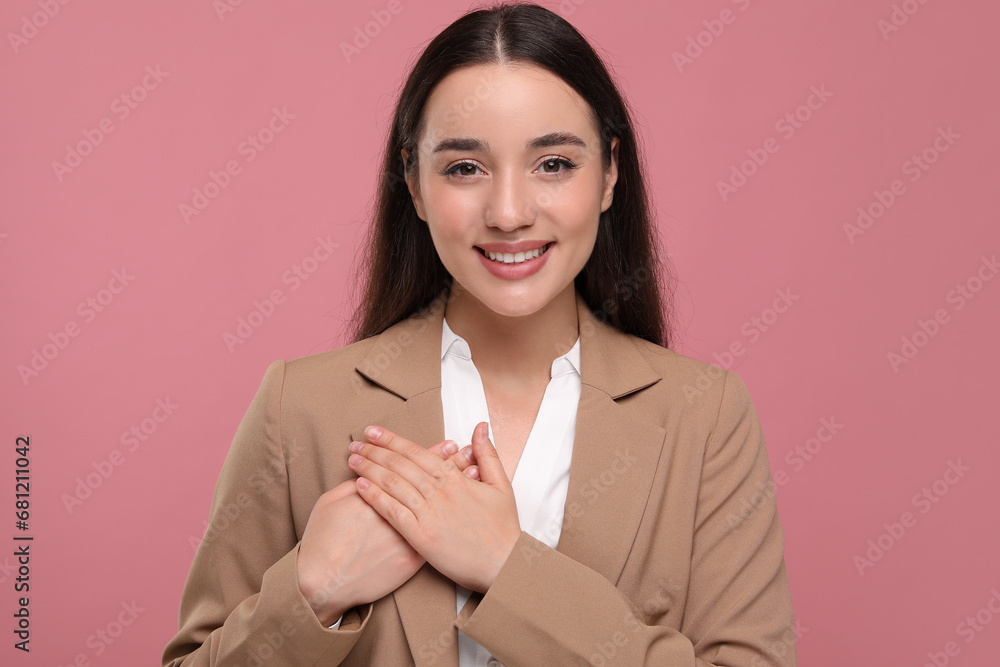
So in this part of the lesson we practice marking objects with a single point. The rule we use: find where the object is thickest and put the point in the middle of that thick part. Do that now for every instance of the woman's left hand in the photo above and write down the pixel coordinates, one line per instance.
(464, 528)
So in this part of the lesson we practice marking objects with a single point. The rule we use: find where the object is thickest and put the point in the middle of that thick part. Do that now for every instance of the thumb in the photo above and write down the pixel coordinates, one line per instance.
(490, 468)
(345, 488)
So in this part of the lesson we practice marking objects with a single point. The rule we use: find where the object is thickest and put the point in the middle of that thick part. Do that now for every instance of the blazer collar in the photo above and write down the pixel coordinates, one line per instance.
(615, 455)
(418, 338)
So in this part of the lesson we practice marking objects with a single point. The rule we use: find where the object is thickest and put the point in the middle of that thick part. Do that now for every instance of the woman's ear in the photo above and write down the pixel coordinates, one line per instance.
(610, 177)
(411, 185)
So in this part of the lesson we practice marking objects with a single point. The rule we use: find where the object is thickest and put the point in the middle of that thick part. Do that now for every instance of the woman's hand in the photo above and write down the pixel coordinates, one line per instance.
(465, 529)
(349, 555)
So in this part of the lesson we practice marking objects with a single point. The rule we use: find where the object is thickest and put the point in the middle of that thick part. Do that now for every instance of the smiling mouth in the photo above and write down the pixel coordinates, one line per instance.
(515, 257)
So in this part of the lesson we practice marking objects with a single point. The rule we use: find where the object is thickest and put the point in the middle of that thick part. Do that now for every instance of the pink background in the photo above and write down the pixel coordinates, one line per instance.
(161, 337)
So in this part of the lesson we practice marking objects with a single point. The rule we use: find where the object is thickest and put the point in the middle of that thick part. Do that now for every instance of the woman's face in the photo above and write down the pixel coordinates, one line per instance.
(510, 162)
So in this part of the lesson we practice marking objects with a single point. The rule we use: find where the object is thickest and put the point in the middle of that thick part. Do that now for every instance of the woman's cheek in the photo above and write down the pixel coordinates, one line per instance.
(452, 206)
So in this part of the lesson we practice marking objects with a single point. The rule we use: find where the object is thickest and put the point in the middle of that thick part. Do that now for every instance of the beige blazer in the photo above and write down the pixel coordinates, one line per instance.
(671, 551)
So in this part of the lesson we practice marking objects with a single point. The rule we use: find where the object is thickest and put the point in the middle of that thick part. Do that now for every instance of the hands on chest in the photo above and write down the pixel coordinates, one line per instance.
(366, 537)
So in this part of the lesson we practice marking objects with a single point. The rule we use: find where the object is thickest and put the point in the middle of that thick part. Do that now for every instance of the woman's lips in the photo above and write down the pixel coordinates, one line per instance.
(515, 271)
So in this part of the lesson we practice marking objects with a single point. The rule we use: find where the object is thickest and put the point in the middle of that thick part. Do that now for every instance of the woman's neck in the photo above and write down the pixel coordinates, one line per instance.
(510, 352)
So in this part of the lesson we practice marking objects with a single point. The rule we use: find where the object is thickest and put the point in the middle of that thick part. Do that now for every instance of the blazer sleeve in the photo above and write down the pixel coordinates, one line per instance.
(241, 600)
(546, 608)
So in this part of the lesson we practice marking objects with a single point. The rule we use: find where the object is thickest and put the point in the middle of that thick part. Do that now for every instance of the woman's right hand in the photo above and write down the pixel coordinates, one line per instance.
(349, 555)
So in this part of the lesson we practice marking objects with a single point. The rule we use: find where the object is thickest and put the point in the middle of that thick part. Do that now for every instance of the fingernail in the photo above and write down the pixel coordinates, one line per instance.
(355, 447)
(449, 448)
(469, 454)
(363, 483)
(354, 460)
(373, 432)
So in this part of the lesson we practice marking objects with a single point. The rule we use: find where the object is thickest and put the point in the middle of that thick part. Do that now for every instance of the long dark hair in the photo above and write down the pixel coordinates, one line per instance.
(624, 282)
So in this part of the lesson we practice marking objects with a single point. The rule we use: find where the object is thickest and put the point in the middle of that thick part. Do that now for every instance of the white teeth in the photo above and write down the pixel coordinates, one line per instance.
(516, 258)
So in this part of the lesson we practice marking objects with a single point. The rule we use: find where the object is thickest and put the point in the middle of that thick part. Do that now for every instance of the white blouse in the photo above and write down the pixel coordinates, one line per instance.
(541, 478)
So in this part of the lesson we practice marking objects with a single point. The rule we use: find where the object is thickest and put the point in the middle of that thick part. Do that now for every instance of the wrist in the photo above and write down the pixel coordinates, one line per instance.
(323, 604)
(503, 553)
(323, 600)
(327, 610)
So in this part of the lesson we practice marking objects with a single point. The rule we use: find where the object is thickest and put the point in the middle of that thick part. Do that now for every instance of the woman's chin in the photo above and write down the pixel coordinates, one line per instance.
(509, 303)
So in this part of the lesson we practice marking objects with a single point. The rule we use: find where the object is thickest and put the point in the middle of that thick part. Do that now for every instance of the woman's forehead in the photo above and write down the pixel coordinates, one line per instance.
(508, 103)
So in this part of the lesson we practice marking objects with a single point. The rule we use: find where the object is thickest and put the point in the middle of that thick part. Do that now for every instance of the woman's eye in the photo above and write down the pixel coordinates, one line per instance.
(468, 169)
(556, 163)
(462, 169)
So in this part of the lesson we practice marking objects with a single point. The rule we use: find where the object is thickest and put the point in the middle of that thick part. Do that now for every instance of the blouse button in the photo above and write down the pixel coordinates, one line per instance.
(493, 662)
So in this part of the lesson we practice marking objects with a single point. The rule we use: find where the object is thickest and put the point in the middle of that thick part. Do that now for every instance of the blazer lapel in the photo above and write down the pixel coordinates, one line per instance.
(405, 360)
(615, 451)
(615, 454)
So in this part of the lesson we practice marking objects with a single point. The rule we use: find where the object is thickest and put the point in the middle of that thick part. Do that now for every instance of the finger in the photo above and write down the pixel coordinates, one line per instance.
(444, 449)
(463, 459)
(345, 488)
(472, 472)
(389, 508)
(388, 481)
(491, 470)
(390, 460)
(448, 450)
(424, 459)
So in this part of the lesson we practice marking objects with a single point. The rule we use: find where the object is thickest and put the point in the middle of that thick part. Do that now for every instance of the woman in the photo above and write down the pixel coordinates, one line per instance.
(611, 508)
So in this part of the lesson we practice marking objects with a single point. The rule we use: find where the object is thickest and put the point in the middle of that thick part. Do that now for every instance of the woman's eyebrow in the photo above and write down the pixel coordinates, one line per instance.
(474, 144)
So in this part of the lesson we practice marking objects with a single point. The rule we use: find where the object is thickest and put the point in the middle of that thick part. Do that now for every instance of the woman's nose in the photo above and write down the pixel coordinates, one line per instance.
(511, 203)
